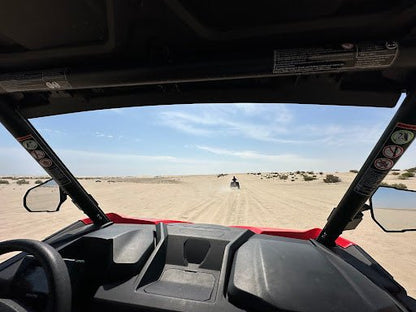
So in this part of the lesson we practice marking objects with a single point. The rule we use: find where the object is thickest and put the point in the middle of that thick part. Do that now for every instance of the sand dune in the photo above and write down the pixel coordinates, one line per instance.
(261, 201)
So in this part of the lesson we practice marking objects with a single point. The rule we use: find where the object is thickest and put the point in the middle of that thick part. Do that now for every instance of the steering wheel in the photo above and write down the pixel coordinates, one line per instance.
(59, 283)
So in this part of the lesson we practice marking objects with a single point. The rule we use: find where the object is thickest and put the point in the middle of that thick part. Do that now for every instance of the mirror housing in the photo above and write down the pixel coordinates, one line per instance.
(45, 197)
(394, 209)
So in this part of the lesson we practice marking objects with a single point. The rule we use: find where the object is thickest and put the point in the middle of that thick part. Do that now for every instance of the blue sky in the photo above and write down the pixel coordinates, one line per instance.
(206, 138)
(390, 198)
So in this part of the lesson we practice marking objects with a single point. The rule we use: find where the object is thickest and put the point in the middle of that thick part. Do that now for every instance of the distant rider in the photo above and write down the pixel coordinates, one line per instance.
(234, 179)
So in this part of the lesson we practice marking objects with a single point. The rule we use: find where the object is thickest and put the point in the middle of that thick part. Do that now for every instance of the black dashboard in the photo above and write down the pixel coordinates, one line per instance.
(197, 267)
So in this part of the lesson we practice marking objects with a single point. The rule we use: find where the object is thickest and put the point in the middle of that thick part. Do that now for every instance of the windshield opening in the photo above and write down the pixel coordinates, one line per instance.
(178, 162)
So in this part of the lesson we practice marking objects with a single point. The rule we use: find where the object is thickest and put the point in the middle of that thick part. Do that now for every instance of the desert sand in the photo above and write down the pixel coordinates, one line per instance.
(396, 219)
(263, 200)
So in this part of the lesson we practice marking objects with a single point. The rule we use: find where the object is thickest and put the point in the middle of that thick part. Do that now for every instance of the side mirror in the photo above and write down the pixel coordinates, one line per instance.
(394, 210)
(45, 197)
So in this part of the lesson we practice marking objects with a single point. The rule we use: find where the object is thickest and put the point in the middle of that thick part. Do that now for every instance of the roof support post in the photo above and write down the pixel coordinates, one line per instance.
(397, 137)
(36, 146)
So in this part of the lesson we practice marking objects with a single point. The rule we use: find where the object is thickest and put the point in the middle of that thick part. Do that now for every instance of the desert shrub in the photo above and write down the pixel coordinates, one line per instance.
(406, 175)
(411, 169)
(293, 180)
(310, 172)
(399, 186)
(22, 181)
(308, 178)
(330, 178)
(354, 171)
(4, 182)
(395, 173)
(283, 177)
(298, 172)
(321, 173)
(384, 184)
(38, 182)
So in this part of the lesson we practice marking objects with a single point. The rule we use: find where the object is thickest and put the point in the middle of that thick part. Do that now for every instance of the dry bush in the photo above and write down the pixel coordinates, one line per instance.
(399, 186)
(330, 178)
(308, 177)
(22, 181)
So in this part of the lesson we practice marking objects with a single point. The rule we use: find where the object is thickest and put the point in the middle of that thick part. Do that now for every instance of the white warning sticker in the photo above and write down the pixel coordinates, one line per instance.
(45, 162)
(335, 58)
(383, 163)
(52, 79)
(30, 144)
(36, 151)
(398, 140)
(392, 151)
(37, 154)
(402, 137)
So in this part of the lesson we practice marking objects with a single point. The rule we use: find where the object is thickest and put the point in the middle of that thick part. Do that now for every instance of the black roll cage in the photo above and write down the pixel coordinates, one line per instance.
(366, 182)
(364, 185)
(24, 132)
